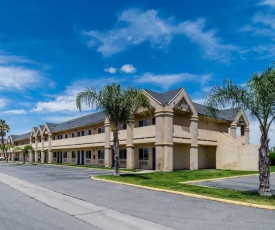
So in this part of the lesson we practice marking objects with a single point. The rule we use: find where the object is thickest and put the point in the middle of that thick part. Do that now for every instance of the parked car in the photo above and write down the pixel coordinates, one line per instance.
(2, 158)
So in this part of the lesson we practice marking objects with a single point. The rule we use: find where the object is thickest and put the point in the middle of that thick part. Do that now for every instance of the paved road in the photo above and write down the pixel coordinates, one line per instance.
(169, 210)
(247, 183)
(21, 212)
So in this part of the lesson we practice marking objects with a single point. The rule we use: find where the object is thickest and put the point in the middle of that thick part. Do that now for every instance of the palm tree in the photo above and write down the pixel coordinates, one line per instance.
(118, 104)
(6, 149)
(257, 97)
(25, 150)
(4, 128)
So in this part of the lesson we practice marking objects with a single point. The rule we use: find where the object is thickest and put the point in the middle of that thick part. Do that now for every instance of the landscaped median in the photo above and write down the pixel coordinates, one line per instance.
(177, 182)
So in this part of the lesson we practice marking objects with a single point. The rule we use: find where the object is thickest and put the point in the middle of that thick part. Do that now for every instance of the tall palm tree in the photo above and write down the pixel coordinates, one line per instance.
(257, 97)
(4, 128)
(118, 104)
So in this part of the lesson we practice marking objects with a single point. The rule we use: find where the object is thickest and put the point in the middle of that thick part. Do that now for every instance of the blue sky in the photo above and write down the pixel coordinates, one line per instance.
(51, 50)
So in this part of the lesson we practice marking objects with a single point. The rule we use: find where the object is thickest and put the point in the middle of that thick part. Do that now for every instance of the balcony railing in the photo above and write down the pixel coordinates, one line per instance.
(207, 135)
(181, 131)
(145, 132)
(96, 138)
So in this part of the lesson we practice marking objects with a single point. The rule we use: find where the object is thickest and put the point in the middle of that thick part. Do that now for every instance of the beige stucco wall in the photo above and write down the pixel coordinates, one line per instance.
(207, 157)
(182, 120)
(231, 154)
(214, 126)
(181, 154)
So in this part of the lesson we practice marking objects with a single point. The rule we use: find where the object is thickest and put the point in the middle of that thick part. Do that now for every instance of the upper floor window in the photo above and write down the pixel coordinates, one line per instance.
(142, 123)
(101, 130)
(153, 121)
(82, 133)
(78, 134)
(89, 132)
(73, 135)
(65, 136)
(122, 126)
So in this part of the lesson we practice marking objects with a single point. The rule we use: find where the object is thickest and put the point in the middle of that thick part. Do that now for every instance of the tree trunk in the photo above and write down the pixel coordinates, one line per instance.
(116, 152)
(7, 157)
(264, 174)
(24, 158)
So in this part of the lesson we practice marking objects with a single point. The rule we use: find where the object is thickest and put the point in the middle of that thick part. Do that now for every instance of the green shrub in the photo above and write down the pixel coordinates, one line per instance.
(272, 158)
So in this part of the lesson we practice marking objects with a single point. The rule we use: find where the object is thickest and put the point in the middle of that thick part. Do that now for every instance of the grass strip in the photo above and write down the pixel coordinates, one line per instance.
(171, 181)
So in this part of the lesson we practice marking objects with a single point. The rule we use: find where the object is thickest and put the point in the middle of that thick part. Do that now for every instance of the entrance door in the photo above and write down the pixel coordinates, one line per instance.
(154, 158)
(82, 157)
(78, 157)
(60, 157)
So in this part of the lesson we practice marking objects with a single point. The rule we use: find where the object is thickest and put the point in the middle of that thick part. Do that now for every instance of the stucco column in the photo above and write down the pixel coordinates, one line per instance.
(233, 131)
(168, 142)
(30, 154)
(246, 136)
(107, 147)
(194, 153)
(42, 150)
(50, 149)
(159, 115)
(35, 150)
(130, 159)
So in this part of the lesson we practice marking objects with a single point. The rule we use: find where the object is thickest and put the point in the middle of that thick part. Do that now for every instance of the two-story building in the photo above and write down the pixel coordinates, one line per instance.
(174, 134)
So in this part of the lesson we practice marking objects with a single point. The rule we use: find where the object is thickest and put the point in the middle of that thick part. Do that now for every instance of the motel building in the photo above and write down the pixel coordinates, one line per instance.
(175, 135)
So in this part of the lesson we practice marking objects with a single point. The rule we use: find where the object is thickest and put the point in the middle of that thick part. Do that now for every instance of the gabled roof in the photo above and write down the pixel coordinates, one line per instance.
(226, 114)
(51, 126)
(21, 137)
(80, 121)
(13, 137)
(163, 98)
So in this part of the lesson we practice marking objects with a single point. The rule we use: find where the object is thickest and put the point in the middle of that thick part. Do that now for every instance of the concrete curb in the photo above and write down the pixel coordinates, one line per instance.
(191, 195)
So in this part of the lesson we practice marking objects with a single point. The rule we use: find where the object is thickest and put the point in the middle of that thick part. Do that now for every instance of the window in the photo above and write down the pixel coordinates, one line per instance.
(88, 154)
(101, 130)
(89, 132)
(73, 135)
(78, 134)
(46, 139)
(122, 154)
(73, 154)
(122, 126)
(65, 136)
(144, 154)
(100, 154)
(82, 133)
(142, 123)
(60, 137)
(57, 137)
(65, 154)
(54, 155)
(153, 121)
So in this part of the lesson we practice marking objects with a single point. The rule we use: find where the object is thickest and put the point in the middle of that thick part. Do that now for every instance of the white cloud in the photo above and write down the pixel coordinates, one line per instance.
(111, 70)
(199, 100)
(18, 78)
(165, 81)
(66, 101)
(135, 27)
(267, 3)
(127, 68)
(4, 102)
(15, 111)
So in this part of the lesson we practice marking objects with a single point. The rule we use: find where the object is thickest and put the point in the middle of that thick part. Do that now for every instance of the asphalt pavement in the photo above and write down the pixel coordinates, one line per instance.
(170, 210)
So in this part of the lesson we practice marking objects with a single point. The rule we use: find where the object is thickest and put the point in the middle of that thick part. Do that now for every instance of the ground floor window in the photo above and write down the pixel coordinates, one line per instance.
(54, 155)
(100, 154)
(122, 154)
(88, 154)
(73, 154)
(144, 154)
(65, 154)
